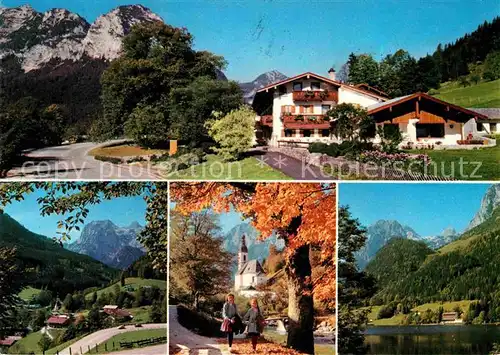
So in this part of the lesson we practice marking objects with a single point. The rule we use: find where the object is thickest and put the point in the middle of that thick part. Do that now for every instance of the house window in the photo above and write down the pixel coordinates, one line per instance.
(325, 133)
(288, 109)
(253, 279)
(297, 86)
(306, 133)
(325, 109)
(430, 130)
(390, 128)
(288, 133)
(371, 130)
(493, 127)
(307, 109)
(282, 90)
(479, 126)
(315, 85)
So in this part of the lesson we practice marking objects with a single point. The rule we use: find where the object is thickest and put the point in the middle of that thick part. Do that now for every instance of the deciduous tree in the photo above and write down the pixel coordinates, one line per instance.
(10, 285)
(233, 132)
(199, 263)
(303, 215)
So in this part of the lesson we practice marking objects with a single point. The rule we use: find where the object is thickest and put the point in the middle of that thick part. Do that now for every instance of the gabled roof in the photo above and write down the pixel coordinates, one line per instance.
(419, 95)
(10, 340)
(322, 78)
(58, 320)
(491, 113)
(251, 267)
(367, 87)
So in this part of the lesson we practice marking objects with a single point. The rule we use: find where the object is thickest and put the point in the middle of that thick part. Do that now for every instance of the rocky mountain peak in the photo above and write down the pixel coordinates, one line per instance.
(104, 38)
(249, 89)
(38, 38)
(450, 231)
(113, 245)
(490, 201)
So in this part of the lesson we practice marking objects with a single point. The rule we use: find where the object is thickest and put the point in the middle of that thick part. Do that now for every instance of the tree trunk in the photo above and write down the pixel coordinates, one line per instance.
(300, 302)
(196, 303)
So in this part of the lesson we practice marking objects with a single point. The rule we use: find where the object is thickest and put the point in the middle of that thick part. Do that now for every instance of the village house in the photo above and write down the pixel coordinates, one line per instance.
(250, 273)
(292, 112)
(491, 125)
(9, 341)
(451, 317)
(58, 321)
(116, 312)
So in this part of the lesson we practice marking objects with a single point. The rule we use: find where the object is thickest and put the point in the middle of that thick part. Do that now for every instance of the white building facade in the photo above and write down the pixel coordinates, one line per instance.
(250, 273)
(292, 112)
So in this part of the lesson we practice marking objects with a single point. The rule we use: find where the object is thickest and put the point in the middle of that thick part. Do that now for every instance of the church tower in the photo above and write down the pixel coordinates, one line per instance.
(243, 253)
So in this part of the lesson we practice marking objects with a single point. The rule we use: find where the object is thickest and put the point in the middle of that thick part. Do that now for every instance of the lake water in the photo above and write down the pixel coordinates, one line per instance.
(432, 339)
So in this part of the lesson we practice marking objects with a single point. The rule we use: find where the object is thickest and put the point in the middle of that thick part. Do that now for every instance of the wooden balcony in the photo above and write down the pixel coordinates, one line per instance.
(316, 96)
(266, 120)
(307, 121)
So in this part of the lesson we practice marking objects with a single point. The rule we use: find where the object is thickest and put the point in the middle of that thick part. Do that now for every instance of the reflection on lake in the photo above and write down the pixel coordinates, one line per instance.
(432, 339)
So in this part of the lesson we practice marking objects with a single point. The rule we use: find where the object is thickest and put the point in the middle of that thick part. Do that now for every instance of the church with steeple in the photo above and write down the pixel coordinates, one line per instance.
(250, 273)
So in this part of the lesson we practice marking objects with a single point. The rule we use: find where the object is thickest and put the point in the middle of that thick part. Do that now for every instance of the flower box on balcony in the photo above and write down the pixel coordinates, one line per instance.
(309, 95)
(471, 141)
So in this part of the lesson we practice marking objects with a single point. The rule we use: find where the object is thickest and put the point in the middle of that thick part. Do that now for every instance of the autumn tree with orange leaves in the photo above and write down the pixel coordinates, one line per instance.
(303, 215)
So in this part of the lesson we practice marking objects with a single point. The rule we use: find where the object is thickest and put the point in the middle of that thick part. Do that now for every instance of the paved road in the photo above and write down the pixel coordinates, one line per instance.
(151, 350)
(103, 335)
(292, 167)
(72, 162)
(189, 342)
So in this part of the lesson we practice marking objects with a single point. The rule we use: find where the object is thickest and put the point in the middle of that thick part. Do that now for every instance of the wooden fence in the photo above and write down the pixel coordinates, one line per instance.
(123, 344)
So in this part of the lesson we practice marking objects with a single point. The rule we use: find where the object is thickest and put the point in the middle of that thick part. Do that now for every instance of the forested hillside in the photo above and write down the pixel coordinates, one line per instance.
(453, 58)
(49, 264)
(466, 269)
(396, 260)
(473, 58)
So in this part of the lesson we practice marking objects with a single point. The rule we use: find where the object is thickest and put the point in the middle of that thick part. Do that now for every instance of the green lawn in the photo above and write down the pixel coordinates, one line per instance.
(485, 94)
(447, 306)
(281, 339)
(398, 319)
(62, 346)
(477, 164)
(129, 336)
(29, 343)
(28, 293)
(215, 169)
(133, 282)
(141, 314)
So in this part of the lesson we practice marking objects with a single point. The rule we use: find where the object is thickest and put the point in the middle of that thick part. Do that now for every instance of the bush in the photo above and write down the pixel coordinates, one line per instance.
(318, 148)
(233, 132)
(199, 323)
(385, 312)
(113, 160)
(390, 138)
(136, 159)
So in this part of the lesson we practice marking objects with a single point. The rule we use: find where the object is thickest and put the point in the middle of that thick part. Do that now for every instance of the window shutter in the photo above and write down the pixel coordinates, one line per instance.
(292, 109)
(283, 109)
(301, 109)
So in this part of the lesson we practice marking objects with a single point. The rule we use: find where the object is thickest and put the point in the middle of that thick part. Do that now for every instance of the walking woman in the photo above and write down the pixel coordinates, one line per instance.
(231, 317)
(255, 322)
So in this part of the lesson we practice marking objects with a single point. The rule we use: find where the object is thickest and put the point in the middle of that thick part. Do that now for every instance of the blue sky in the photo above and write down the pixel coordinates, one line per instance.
(121, 211)
(427, 208)
(295, 36)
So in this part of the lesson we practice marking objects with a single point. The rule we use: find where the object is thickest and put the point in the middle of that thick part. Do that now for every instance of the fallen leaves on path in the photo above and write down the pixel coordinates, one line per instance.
(244, 347)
